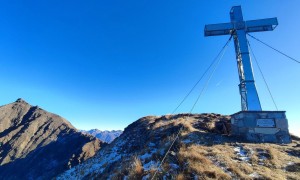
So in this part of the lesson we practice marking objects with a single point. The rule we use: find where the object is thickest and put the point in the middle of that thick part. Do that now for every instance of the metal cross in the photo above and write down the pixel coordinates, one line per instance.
(238, 29)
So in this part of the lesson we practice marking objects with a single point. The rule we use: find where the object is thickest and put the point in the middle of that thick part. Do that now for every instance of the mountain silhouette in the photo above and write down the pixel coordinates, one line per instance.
(36, 144)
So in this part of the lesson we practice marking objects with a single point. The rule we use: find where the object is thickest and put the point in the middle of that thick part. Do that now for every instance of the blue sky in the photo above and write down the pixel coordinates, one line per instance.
(104, 64)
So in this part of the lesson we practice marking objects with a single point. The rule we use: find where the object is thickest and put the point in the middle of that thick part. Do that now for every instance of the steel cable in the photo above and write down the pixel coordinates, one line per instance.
(218, 59)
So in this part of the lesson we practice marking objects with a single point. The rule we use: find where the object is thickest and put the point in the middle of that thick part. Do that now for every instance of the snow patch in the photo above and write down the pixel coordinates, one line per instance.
(186, 141)
(146, 177)
(262, 156)
(241, 153)
(174, 166)
(255, 175)
(145, 156)
(149, 165)
(148, 155)
(151, 144)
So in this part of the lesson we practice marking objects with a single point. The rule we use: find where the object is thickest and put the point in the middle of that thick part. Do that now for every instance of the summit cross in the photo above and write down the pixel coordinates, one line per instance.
(238, 28)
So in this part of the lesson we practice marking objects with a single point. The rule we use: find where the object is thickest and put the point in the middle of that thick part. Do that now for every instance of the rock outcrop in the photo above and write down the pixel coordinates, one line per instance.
(36, 144)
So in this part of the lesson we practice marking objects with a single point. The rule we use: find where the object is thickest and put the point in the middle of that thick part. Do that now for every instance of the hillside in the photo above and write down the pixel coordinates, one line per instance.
(202, 151)
(105, 136)
(36, 144)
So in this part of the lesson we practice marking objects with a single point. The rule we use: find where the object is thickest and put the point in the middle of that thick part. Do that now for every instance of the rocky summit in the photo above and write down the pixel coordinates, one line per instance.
(36, 144)
(191, 146)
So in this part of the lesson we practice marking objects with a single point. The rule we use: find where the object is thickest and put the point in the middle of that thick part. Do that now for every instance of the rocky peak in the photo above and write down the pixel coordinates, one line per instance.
(36, 144)
(20, 100)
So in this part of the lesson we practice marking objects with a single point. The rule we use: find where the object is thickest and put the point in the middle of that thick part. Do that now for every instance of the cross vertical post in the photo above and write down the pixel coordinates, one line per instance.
(248, 92)
(252, 123)
(238, 29)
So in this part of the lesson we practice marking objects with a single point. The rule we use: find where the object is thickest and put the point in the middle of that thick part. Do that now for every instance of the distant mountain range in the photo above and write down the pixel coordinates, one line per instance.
(105, 136)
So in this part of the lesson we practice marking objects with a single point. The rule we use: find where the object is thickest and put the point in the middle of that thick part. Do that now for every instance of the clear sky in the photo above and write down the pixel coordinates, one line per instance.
(104, 64)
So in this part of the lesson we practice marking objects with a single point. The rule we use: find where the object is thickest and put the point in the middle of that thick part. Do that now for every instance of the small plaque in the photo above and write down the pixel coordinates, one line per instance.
(265, 123)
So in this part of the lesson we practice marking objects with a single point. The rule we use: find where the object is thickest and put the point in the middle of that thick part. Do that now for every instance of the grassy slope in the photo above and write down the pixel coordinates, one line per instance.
(202, 151)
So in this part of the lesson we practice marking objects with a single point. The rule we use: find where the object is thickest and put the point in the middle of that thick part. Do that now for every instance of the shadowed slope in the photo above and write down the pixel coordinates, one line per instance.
(38, 144)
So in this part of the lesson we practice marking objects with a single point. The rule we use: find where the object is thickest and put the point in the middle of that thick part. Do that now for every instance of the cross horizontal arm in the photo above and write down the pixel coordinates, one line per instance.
(268, 24)
(261, 25)
(218, 29)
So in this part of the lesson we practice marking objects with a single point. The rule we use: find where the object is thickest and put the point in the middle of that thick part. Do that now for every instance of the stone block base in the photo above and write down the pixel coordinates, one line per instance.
(261, 126)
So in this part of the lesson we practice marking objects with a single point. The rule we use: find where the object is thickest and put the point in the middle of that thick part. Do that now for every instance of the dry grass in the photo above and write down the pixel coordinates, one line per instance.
(276, 162)
(275, 157)
(208, 160)
(137, 170)
(161, 124)
(188, 127)
(217, 161)
(180, 177)
(224, 155)
(194, 157)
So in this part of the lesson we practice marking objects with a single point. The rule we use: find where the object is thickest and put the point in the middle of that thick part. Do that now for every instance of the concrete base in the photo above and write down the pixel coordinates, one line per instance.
(261, 126)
